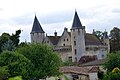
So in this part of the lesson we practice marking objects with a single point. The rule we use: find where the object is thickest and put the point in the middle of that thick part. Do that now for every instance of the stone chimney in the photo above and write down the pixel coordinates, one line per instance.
(55, 33)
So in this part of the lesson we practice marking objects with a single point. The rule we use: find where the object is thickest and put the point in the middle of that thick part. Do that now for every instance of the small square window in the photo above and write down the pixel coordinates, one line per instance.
(67, 39)
(74, 43)
(75, 51)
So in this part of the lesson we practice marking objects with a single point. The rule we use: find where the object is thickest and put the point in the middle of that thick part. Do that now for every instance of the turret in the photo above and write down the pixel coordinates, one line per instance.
(77, 39)
(37, 33)
(106, 41)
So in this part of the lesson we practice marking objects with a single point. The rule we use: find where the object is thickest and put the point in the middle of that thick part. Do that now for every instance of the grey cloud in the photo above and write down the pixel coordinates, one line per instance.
(116, 10)
(23, 19)
(1, 9)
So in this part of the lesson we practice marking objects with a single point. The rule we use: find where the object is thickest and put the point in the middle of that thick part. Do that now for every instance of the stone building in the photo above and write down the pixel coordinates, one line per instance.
(74, 44)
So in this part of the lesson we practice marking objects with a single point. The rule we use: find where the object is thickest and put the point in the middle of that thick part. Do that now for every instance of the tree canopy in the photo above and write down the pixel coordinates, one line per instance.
(16, 63)
(112, 61)
(115, 39)
(46, 62)
(9, 42)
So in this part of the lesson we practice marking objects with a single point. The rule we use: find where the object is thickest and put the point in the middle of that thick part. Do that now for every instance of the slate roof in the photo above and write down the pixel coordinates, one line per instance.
(85, 59)
(75, 69)
(54, 39)
(91, 39)
(76, 22)
(36, 26)
(93, 63)
(79, 70)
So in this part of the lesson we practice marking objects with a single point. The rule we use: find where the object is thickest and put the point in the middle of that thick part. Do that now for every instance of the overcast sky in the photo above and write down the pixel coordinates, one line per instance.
(54, 15)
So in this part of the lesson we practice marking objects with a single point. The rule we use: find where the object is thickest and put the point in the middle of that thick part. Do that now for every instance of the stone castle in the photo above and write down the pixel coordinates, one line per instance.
(74, 44)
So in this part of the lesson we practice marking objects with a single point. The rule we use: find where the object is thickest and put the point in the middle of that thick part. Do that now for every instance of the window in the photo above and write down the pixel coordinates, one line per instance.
(63, 44)
(75, 51)
(74, 37)
(47, 41)
(75, 59)
(74, 43)
(70, 59)
(67, 39)
(64, 39)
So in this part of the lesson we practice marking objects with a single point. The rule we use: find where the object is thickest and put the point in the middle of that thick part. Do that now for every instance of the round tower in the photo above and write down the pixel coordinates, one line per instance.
(37, 33)
(77, 39)
(106, 41)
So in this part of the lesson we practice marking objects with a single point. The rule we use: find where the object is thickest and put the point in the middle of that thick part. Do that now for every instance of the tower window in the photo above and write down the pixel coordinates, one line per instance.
(75, 51)
(74, 43)
(74, 37)
(75, 59)
(67, 39)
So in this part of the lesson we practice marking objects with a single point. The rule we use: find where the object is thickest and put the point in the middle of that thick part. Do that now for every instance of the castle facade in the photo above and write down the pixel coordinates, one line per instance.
(74, 44)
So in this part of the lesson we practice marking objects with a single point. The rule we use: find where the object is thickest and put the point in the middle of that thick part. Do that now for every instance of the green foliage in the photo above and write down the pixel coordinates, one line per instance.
(15, 37)
(3, 39)
(3, 72)
(113, 60)
(115, 39)
(16, 78)
(46, 62)
(8, 46)
(99, 34)
(67, 63)
(17, 64)
(112, 76)
(9, 42)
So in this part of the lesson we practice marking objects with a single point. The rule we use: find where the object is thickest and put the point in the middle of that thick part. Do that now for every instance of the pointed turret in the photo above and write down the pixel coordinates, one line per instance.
(76, 22)
(36, 26)
(77, 39)
(105, 36)
(106, 41)
(37, 33)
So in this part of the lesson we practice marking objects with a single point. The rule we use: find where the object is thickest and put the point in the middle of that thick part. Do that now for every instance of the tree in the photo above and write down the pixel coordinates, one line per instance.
(115, 39)
(8, 41)
(99, 34)
(46, 62)
(3, 72)
(15, 37)
(17, 64)
(112, 61)
(3, 39)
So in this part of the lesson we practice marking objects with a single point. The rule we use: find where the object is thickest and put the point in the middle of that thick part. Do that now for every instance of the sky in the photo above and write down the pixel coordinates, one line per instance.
(55, 15)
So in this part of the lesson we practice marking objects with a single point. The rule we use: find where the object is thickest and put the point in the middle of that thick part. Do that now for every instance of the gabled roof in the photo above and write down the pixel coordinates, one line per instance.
(91, 39)
(54, 39)
(76, 22)
(36, 26)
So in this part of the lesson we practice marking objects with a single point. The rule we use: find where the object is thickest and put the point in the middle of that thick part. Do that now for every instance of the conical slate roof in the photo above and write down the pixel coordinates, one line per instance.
(36, 26)
(76, 22)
